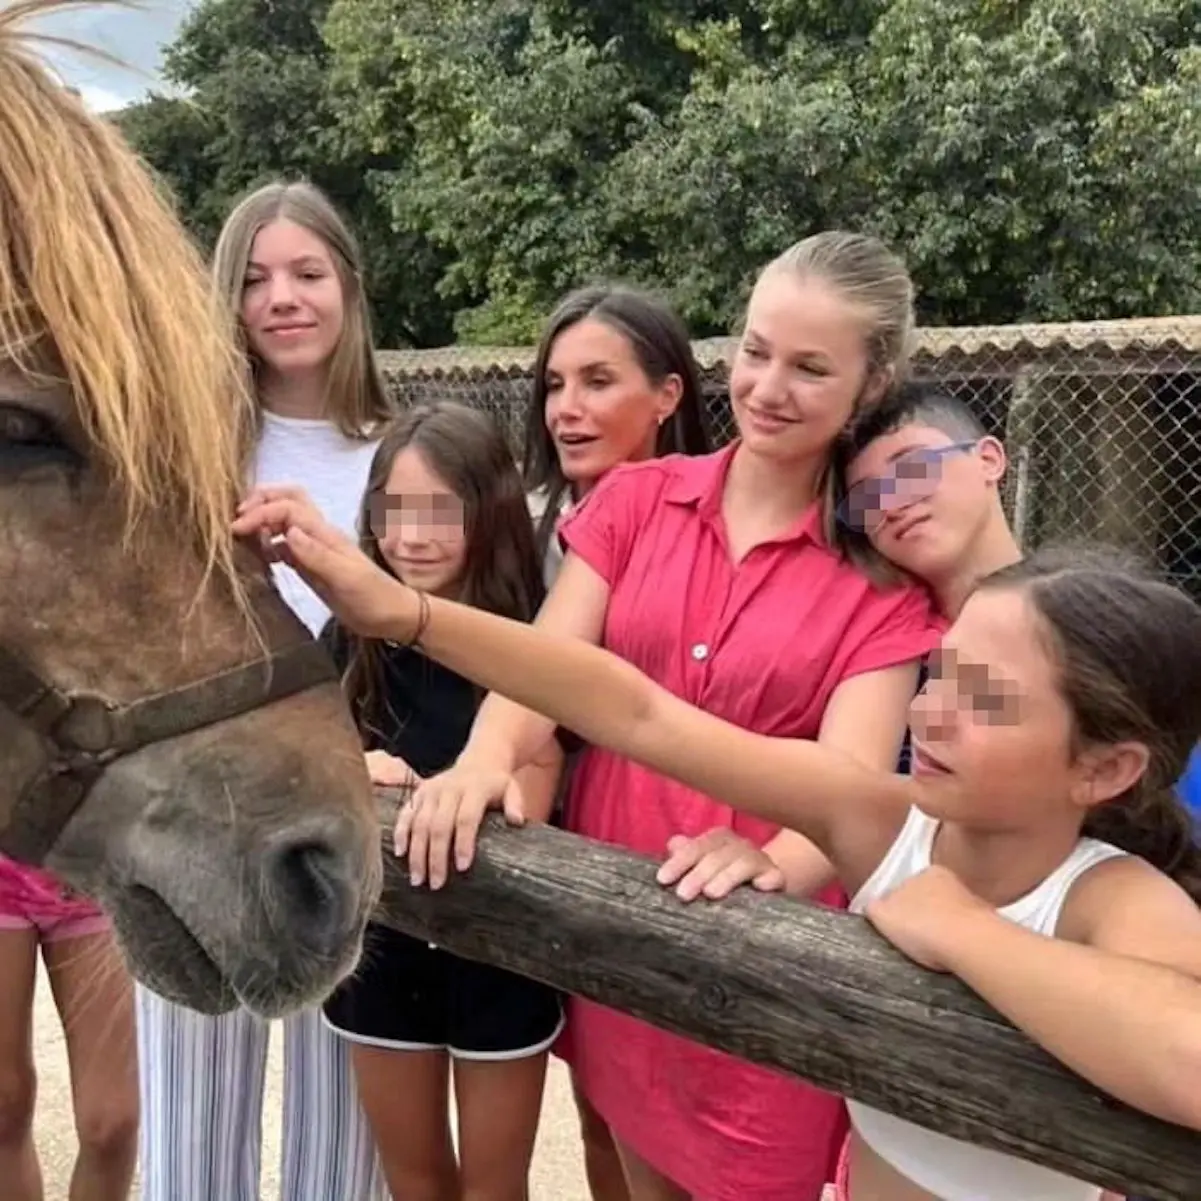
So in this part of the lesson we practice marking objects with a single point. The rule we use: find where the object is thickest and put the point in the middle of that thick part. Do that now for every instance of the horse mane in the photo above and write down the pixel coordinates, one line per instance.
(101, 286)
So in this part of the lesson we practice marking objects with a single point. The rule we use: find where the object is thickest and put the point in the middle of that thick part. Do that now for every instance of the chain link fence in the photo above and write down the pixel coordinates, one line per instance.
(1102, 421)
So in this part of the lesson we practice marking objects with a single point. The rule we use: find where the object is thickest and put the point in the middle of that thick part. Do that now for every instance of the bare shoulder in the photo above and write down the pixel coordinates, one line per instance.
(862, 840)
(1127, 906)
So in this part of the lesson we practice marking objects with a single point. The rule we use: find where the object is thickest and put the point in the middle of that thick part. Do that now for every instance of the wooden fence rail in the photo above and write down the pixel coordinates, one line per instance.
(806, 990)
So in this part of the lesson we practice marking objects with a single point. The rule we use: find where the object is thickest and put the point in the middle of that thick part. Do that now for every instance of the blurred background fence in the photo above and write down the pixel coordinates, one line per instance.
(1102, 420)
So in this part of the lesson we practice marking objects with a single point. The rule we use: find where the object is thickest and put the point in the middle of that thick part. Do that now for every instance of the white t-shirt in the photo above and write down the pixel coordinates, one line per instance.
(333, 469)
(553, 560)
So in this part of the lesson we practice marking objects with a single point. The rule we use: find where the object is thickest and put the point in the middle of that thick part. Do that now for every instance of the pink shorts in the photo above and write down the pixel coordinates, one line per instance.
(840, 1190)
(31, 899)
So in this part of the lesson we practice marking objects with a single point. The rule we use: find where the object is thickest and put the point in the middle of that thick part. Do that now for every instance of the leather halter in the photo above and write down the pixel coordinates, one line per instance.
(84, 732)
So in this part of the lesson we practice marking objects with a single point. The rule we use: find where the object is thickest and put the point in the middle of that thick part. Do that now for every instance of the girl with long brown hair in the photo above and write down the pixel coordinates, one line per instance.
(445, 512)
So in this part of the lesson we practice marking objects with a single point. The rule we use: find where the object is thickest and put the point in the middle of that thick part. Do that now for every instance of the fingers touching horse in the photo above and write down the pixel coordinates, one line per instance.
(169, 742)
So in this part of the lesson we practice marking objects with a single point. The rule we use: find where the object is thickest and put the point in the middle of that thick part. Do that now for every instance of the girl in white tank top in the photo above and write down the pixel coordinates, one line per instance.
(1037, 852)
(945, 1167)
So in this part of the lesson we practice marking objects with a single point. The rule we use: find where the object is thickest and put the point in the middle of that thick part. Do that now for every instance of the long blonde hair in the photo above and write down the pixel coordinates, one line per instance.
(101, 285)
(356, 399)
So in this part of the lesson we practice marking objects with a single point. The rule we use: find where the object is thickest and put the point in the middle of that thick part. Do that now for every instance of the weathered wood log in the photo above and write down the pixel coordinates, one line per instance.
(796, 987)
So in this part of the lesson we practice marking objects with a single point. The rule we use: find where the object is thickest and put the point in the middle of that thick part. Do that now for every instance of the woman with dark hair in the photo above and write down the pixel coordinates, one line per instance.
(615, 382)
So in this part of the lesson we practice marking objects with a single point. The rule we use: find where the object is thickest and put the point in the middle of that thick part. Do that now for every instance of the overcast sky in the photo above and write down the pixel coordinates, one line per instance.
(137, 38)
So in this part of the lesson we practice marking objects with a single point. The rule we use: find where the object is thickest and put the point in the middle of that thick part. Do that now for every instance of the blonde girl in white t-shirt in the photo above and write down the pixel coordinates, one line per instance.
(292, 274)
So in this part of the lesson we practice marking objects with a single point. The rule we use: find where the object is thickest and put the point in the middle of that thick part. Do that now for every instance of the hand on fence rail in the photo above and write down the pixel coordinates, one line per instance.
(806, 989)
(715, 863)
(923, 916)
(442, 819)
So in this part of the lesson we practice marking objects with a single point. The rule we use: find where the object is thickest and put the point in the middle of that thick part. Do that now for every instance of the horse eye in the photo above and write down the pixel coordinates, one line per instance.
(26, 428)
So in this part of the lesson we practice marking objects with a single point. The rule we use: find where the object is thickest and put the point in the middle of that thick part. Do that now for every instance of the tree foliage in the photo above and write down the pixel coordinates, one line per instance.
(254, 105)
(1033, 160)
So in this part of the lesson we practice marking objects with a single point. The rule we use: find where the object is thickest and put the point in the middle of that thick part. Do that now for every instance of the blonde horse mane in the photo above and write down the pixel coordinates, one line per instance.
(101, 285)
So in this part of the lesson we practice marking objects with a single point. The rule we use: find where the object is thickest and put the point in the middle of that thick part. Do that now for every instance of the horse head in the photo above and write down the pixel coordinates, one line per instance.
(172, 742)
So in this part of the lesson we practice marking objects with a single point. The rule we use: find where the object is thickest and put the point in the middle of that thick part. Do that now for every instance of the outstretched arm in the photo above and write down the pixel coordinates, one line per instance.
(599, 696)
(610, 703)
(505, 735)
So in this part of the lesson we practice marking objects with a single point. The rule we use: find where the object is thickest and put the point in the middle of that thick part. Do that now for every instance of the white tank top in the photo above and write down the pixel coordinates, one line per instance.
(945, 1167)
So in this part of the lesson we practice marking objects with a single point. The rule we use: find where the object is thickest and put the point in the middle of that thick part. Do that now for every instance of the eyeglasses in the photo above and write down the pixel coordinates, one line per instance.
(911, 477)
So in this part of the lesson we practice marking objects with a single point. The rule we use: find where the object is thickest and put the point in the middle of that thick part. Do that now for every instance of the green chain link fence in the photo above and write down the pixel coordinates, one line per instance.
(1102, 421)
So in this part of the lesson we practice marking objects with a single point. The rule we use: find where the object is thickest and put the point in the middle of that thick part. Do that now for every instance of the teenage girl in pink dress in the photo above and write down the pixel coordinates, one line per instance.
(715, 575)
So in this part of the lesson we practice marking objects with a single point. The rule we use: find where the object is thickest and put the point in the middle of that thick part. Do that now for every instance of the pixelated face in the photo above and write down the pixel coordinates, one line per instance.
(419, 525)
(800, 370)
(994, 744)
(992, 734)
(922, 497)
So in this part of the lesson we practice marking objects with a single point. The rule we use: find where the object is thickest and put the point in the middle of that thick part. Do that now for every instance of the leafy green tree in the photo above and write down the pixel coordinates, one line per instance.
(755, 157)
(1014, 143)
(256, 80)
(1031, 161)
(507, 125)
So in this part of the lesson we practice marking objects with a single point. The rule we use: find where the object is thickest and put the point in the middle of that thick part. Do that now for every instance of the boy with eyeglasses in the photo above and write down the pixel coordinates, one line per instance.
(922, 486)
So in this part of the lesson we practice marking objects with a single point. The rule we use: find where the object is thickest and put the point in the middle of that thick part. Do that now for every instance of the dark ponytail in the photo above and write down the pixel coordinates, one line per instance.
(1128, 649)
(1153, 824)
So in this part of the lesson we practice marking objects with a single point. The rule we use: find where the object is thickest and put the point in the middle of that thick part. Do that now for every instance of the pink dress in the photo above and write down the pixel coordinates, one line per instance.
(763, 644)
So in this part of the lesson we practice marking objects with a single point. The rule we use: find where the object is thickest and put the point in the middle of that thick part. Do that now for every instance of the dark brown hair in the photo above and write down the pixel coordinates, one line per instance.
(660, 343)
(1128, 650)
(502, 570)
(915, 403)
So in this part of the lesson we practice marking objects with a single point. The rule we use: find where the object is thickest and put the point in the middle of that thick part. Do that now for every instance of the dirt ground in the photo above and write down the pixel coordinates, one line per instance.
(558, 1173)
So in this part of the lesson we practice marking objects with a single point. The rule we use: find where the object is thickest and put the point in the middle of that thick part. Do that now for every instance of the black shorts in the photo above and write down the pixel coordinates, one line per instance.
(409, 996)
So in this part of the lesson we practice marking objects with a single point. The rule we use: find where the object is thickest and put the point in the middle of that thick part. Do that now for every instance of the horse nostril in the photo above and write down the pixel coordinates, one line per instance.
(308, 878)
(305, 870)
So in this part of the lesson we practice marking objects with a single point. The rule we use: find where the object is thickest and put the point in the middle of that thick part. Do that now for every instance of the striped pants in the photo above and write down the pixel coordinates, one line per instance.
(201, 1083)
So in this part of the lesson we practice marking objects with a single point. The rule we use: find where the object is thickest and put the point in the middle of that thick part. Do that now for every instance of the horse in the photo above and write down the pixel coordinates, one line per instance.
(173, 743)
